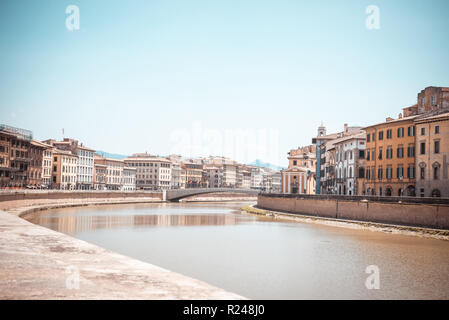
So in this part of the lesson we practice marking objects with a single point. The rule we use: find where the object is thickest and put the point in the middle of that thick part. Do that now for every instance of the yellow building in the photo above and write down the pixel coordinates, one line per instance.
(64, 171)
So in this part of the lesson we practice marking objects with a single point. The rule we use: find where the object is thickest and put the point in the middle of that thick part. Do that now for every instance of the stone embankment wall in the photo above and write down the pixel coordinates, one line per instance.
(420, 212)
(36, 198)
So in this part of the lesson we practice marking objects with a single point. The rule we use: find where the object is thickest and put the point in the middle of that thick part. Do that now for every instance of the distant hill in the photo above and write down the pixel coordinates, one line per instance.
(111, 155)
(259, 163)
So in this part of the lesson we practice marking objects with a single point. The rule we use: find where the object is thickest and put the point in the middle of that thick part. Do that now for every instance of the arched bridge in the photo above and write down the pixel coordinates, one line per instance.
(177, 194)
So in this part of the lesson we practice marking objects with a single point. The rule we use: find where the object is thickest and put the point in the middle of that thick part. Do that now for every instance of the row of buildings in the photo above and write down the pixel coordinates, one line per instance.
(69, 165)
(406, 156)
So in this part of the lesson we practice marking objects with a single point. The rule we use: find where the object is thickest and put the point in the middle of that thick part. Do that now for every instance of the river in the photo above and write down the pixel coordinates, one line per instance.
(262, 258)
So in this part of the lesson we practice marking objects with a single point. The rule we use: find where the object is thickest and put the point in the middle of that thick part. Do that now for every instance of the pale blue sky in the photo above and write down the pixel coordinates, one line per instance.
(137, 71)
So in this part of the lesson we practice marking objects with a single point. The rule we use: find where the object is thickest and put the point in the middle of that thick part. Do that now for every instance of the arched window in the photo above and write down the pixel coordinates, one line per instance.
(436, 170)
(436, 193)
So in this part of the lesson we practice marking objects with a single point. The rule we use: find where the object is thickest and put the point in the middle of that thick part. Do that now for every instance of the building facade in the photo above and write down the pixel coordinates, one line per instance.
(193, 175)
(299, 177)
(257, 174)
(349, 163)
(85, 170)
(65, 165)
(390, 158)
(175, 171)
(432, 156)
(152, 172)
(14, 156)
(47, 164)
(214, 176)
(229, 179)
(35, 167)
(321, 142)
(129, 179)
(99, 175)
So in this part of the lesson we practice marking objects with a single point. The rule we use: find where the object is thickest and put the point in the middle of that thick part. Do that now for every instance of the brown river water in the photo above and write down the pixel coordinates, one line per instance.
(262, 258)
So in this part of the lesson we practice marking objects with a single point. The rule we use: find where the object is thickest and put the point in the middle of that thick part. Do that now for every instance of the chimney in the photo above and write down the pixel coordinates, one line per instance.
(346, 127)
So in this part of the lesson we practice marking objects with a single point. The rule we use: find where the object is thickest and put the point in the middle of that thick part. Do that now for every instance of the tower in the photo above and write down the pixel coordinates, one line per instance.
(321, 130)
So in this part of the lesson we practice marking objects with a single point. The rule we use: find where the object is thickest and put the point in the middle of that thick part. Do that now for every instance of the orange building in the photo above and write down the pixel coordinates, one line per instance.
(390, 158)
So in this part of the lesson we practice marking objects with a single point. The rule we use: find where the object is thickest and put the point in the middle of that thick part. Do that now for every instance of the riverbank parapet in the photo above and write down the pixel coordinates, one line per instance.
(39, 263)
(18, 202)
(419, 212)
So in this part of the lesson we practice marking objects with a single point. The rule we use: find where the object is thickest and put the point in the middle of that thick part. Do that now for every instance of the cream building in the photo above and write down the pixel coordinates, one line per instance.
(47, 166)
(152, 172)
(432, 155)
(64, 171)
(300, 176)
(114, 172)
(129, 179)
(99, 176)
(85, 169)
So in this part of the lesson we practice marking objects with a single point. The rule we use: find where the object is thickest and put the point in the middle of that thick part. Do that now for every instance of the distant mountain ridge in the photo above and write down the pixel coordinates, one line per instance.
(260, 163)
(111, 155)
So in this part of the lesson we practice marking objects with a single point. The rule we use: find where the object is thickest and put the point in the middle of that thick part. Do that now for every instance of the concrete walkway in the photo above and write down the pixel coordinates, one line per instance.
(38, 263)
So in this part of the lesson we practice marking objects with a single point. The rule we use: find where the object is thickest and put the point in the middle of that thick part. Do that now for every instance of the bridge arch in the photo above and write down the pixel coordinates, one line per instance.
(178, 194)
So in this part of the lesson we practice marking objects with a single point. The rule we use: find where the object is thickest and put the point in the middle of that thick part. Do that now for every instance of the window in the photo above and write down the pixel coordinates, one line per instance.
(368, 158)
(368, 138)
(411, 172)
(400, 132)
(400, 152)
(379, 173)
(436, 172)
(434, 100)
(380, 154)
(362, 154)
(389, 153)
(437, 129)
(422, 148)
(374, 137)
(411, 131)
(422, 173)
(400, 172)
(411, 151)
(381, 135)
(436, 146)
(389, 134)
(423, 131)
(294, 162)
(361, 173)
(389, 172)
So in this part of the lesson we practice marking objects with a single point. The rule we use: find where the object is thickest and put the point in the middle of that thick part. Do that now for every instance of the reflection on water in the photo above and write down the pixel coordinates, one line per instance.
(73, 225)
(258, 257)
(82, 219)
